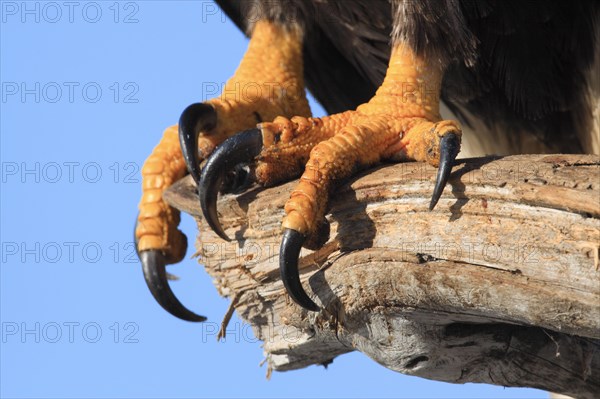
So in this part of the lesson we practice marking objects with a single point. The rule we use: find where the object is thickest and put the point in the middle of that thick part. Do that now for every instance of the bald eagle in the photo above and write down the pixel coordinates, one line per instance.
(517, 76)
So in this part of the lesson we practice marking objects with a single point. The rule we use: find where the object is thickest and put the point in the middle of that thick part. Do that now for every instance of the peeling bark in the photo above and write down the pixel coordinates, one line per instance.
(499, 284)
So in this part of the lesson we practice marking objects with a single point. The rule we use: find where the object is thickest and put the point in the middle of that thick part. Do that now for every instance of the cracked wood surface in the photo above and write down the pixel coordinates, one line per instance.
(499, 284)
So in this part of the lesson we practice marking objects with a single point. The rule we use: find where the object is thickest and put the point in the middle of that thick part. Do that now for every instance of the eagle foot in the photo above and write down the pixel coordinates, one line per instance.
(324, 150)
(262, 88)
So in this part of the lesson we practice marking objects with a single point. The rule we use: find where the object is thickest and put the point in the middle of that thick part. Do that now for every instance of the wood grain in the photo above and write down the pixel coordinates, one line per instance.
(499, 284)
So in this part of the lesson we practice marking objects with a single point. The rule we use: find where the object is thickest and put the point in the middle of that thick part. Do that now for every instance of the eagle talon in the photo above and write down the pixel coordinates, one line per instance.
(243, 147)
(155, 274)
(194, 119)
(288, 266)
(449, 148)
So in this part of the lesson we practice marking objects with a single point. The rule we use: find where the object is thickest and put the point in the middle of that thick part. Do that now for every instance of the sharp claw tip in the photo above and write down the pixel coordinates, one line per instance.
(288, 265)
(432, 205)
(449, 148)
(224, 236)
(154, 268)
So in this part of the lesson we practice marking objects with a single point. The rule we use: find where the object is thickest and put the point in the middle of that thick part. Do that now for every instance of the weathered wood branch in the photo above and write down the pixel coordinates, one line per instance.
(499, 284)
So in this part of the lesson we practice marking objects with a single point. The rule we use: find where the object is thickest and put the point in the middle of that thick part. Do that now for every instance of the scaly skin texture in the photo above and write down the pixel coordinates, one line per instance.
(401, 122)
(268, 83)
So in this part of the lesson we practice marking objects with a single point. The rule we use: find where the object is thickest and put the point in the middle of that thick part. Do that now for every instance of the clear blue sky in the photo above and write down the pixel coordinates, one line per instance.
(85, 97)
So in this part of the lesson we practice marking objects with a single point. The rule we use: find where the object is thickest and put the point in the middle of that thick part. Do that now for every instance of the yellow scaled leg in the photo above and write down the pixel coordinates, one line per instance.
(401, 122)
(268, 82)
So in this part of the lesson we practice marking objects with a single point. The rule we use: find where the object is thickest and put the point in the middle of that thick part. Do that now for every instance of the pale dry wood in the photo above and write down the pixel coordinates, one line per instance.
(499, 284)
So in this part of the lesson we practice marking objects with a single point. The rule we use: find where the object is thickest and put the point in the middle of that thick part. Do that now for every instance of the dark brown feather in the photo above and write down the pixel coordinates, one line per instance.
(521, 67)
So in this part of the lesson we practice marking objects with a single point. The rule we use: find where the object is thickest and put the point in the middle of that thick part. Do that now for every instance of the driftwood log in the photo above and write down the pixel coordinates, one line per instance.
(500, 284)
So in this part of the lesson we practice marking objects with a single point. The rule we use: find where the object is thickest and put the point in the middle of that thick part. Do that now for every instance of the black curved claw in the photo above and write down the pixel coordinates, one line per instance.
(154, 267)
(194, 119)
(288, 266)
(449, 148)
(241, 148)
